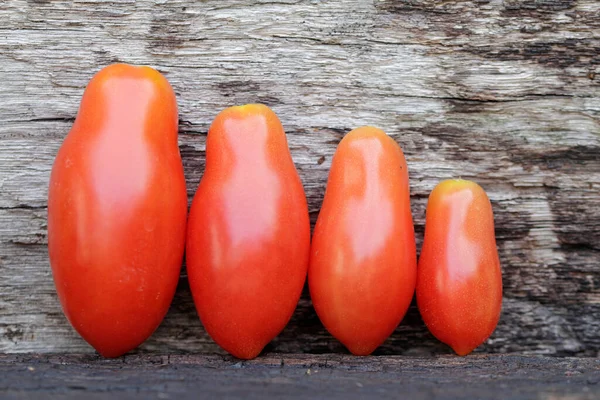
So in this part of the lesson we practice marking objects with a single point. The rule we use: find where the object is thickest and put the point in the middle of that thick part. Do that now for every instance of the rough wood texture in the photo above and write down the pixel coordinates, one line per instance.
(300, 376)
(503, 92)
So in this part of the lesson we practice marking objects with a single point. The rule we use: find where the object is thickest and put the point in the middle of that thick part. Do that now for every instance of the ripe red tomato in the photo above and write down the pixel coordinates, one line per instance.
(459, 285)
(249, 233)
(362, 270)
(117, 209)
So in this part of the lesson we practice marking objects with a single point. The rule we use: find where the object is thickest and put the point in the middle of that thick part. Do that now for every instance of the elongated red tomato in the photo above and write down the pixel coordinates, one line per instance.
(249, 233)
(117, 209)
(459, 286)
(362, 270)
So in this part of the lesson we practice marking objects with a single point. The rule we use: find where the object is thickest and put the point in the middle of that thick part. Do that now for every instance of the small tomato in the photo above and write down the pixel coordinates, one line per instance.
(459, 284)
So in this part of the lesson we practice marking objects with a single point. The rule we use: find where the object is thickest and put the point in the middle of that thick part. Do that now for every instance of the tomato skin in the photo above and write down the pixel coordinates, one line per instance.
(117, 208)
(459, 283)
(248, 236)
(362, 271)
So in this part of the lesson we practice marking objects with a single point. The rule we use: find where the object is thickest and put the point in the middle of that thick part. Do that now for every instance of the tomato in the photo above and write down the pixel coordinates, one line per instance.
(362, 269)
(459, 283)
(248, 236)
(117, 209)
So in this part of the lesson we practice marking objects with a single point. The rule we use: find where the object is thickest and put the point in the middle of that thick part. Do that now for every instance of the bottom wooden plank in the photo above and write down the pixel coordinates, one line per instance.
(298, 376)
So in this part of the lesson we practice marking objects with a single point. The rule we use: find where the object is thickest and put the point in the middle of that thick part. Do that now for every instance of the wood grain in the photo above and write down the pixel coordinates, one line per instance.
(299, 376)
(502, 92)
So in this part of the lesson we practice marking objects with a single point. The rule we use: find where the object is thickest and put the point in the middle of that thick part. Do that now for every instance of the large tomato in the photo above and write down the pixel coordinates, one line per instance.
(117, 209)
(249, 233)
(362, 270)
(459, 285)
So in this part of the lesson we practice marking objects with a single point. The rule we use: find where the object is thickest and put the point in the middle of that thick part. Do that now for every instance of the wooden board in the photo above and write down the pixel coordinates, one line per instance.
(503, 92)
(300, 376)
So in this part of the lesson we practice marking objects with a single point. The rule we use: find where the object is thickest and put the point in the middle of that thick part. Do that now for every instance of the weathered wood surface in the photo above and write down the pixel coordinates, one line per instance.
(503, 92)
(300, 376)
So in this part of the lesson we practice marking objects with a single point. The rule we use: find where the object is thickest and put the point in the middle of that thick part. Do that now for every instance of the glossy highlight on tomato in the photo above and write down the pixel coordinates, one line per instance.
(362, 271)
(248, 237)
(459, 286)
(117, 208)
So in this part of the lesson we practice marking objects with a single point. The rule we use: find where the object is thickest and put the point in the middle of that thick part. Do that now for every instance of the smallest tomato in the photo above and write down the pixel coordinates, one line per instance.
(459, 282)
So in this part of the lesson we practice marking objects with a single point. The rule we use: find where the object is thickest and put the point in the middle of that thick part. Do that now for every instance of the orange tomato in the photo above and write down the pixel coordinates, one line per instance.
(459, 286)
(249, 233)
(117, 209)
(362, 270)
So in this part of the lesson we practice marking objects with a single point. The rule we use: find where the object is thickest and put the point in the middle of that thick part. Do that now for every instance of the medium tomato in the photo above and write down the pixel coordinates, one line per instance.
(117, 209)
(459, 284)
(249, 233)
(362, 270)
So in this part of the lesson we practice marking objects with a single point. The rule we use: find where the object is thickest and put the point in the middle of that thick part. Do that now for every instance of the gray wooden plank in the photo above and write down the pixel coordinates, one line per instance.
(299, 376)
